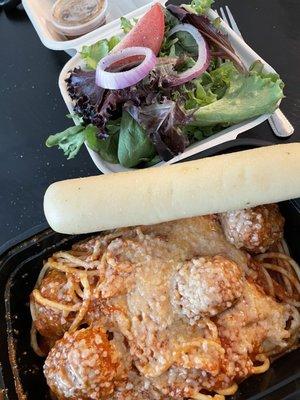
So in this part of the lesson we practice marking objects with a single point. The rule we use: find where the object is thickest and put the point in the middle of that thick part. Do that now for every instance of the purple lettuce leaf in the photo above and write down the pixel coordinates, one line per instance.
(86, 94)
(147, 102)
(162, 122)
(97, 106)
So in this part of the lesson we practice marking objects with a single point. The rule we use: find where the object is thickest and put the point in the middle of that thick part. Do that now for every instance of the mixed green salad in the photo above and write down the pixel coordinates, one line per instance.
(174, 79)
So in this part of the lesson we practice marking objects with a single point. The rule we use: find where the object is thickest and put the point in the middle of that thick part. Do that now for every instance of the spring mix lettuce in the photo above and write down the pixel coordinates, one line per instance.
(155, 120)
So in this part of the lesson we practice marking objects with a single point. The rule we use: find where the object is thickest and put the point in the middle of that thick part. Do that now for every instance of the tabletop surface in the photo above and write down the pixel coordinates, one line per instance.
(31, 106)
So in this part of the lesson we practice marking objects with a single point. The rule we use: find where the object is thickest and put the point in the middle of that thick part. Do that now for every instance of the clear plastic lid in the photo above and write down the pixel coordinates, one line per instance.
(39, 12)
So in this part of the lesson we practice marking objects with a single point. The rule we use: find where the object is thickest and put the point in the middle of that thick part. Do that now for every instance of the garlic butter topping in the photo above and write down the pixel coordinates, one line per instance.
(76, 12)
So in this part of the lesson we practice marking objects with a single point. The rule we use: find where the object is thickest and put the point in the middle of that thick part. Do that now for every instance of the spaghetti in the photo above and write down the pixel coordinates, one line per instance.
(282, 275)
(265, 364)
(83, 270)
(53, 304)
(77, 271)
(229, 391)
(201, 396)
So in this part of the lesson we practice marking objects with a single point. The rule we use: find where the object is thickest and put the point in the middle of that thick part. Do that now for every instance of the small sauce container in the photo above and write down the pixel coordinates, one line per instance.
(78, 17)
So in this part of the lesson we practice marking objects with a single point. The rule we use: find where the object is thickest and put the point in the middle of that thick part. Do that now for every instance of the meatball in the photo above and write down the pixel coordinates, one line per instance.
(86, 365)
(254, 229)
(49, 322)
(206, 286)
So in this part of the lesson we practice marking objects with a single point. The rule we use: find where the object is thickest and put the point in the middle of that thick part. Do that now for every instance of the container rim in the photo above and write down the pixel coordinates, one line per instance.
(27, 234)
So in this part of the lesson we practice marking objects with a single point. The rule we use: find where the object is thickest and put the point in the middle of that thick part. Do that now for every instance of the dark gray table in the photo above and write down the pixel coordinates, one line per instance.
(31, 106)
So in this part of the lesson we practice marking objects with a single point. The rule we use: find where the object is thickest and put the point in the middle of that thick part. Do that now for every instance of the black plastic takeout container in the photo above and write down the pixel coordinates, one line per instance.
(21, 374)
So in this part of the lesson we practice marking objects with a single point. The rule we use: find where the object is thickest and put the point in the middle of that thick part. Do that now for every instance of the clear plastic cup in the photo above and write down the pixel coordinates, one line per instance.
(80, 29)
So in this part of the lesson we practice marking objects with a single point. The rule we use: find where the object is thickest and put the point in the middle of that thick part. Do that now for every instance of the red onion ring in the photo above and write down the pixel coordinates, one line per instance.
(203, 60)
(122, 80)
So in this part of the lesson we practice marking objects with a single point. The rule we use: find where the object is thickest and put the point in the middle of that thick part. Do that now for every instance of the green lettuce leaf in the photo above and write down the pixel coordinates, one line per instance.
(200, 97)
(77, 119)
(168, 48)
(155, 160)
(201, 6)
(92, 54)
(126, 24)
(113, 41)
(258, 68)
(246, 96)
(195, 132)
(217, 22)
(223, 75)
(134, 145)
(170, 20)
(186, 44)
(200, 93)
(180, 43)
(107, 148)
(69, 141)
(209, 87)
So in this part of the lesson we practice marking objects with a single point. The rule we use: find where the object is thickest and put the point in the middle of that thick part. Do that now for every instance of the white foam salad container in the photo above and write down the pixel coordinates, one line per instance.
(39, 13)
(246, 53)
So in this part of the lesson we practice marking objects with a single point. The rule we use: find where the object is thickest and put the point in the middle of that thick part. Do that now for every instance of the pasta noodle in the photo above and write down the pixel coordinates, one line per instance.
(269, 281)
(84, 305)
(282, 271)
(154, 371)
(74, 260)
(83, 268)
(219, 396)
(71, 270)
(53, 304)
(34, 343)
(42, 274)
(264, 367)
(229, 391)
(201, 396)
(211, 327)
(292, 262)
(287, 269)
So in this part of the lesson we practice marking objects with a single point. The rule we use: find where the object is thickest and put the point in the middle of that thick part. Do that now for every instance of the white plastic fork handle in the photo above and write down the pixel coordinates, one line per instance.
(280, 124)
